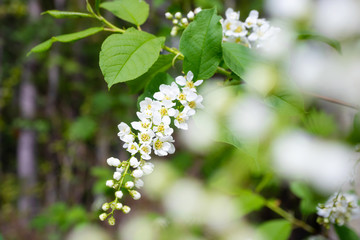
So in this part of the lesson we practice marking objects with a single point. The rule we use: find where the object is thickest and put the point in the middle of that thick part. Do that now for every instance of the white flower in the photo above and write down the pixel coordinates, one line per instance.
(167, 94)
(190, 15)
(134, 162)
(163, 145)
(127, 138)
(126, 209)
(147, 168)
(113, 162)
(132, 148)
(139, 183)
(251, 20)
(103, 216)
(146, 136)
(196, 103)
(187, 95)
(129, 184)
(163, 116)
(145, 151)
(149, 105)
(182, 117)
(117, 176)
(142, 125)
(119, 194)
(120, 169)
(164, 129)
(135, 194)
(124, 129)
(187, 81)
(110, 183)
(137, 173)
(232, 15)
(237, 29)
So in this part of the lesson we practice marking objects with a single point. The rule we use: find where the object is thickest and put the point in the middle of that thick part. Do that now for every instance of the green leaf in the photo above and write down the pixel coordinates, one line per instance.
(66, 14)
(320, 123)
(162, 64)
(133, 11)
(287, 103)
(355, 132)
(237, 57)
(346, 233)
(307, 35)
(249, 201)
(154, 85)
(201, 44)
(82, 129)
(126, 56)
(44, 46)
(308, 200)
(275, 230)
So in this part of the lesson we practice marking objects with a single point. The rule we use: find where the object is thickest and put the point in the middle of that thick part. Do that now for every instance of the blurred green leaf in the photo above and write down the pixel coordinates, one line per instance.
(320, 123)
(249, 201)
(66, 14)
(287, 102)
(101, 103)
(162, 64)
(346, 233)
(82, 129)
(308, 200)
(307, 35)
(354, 136)
(237, 57)
(126, 56)
(133, 11)
(275, 230)
(44, 46)
(200, 44)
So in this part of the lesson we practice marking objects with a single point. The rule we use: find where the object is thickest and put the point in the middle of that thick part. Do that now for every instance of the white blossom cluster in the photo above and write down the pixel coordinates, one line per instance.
(338, 209)
(250, 33)
(180, 22)
(173, 105)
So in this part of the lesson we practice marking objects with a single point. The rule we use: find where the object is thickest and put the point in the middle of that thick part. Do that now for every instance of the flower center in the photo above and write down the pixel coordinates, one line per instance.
(238, 29)
(158, 144)
(145, 137)
(189, 84)
(163, 111)
(182, 97)
(192, 104)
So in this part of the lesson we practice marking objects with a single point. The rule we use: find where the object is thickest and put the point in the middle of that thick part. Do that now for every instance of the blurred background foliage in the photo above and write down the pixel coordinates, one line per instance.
(72, 126)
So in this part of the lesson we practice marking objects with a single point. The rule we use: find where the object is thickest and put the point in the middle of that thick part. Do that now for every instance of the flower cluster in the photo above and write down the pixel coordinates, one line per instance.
(171, 106)
(338, 209)
(180, 22)
(250, 33)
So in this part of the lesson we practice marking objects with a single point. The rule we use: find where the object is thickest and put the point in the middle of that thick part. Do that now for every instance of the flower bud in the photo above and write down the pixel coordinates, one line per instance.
(118, 206)
(197, 10)
(105, 206)
(126, 209)
(103, 216)
(113, 162)
(174, 31)
(178, 15)
(139, 183)
(135, 195)
(119, 194)
(134, 162)
(137, 173)
(175, 21)
(129, 184)
(117, 176)
(184, 21)
(111, 221)
(191, 15)
(110, 183)
(168, 15)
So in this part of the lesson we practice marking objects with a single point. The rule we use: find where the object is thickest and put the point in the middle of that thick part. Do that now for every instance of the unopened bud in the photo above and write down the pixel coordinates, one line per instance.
(111, 221)
(126, 209)
(178, 15)
(103, 216)
(105, 206)
(191, 15)
(168, 15)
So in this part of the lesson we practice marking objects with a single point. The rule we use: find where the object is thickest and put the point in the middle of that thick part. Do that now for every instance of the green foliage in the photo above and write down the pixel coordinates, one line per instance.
(126, 56)
(201, 44)
(44, 46)
(346, 233)
(133, 11)
(82, 129)
(249, 201)
(61, 216)
(237, 57)
(309, 200)
(66, 14)
(153, 86)
(275, 230)
(355, 132)
(307, 35)
(162, 64)
(320, 123)
(101, 174)
(287, 102)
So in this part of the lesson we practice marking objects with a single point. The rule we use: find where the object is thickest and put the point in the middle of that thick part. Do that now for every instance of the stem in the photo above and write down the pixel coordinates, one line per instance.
(272, 205)
(336, 101)
(106, 22)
